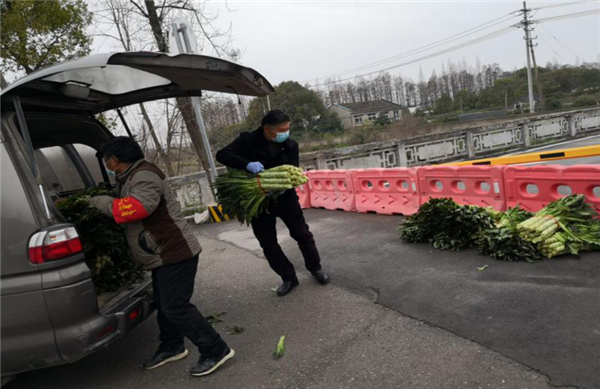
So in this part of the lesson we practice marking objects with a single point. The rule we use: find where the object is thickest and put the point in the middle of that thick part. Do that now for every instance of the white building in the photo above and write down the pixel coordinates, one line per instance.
(356, 114)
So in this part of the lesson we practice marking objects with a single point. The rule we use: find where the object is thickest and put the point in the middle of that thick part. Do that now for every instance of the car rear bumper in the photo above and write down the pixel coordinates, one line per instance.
(80, 328)
(85, 334)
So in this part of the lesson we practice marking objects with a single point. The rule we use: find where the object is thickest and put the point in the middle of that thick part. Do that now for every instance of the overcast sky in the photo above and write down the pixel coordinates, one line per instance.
(306, 40)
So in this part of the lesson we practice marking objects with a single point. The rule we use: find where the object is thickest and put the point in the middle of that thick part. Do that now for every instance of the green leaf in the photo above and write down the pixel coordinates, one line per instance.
(482, 268)
(215, 318)
(234, 330)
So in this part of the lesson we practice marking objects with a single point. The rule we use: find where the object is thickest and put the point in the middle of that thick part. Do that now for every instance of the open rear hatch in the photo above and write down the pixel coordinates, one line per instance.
(56, 102)
(102, 82)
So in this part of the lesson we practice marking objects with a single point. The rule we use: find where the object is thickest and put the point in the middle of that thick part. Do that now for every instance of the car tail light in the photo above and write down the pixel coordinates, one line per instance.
(134, 314)
(52, 245)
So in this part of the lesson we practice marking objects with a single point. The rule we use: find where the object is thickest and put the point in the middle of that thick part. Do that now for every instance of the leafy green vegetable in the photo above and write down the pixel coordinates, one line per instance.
(503, 242)
(104, 243)
(234, 330)
(245, 196)
(568, 225)
(215, 318)
(446, 225)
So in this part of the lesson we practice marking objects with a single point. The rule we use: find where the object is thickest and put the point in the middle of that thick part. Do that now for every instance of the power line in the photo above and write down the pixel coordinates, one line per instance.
(563, 4)
(460, 46)
(427, 47)
(448, 50)
(567, 16)
(559, 41)
(550, 47)
(458, 36)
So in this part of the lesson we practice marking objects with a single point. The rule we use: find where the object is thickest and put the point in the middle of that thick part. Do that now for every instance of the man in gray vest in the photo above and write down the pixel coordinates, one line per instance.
(161, 240)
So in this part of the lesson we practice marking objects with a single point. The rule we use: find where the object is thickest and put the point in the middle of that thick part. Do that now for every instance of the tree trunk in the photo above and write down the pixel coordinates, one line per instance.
(3, 83)
(183, 103)
(155, 24)
(161, 153)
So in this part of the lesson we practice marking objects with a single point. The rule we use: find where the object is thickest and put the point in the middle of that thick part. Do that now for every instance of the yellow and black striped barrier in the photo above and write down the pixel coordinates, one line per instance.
(579, 152)
(217, 214)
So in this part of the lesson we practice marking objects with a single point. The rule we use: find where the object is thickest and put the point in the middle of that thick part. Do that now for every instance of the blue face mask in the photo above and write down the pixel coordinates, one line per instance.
(109, 172)
(282, 136)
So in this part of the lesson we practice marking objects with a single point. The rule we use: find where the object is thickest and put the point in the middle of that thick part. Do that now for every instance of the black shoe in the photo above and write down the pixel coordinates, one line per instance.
(320, 276)
(287, 287)
(205, 366)
(163, 357)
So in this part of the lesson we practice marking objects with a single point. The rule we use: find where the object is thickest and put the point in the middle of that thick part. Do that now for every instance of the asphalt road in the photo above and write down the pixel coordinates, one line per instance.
(542, 315)
(335, 339)
(438, 322)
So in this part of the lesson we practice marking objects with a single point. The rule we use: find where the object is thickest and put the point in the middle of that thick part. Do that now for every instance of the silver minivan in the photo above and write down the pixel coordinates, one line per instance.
(50, 311)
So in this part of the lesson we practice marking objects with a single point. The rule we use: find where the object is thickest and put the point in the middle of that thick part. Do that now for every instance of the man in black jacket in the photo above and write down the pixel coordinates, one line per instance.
(267, 147)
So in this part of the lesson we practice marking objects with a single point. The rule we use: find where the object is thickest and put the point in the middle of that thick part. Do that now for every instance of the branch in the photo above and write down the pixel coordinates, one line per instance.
(176, 7)
(45, 56)
(106, 35)
(139, 8)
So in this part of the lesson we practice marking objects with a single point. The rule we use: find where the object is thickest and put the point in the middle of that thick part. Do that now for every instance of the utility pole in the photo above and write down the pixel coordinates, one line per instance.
(537, 78)
(527, 49)
(184, 46)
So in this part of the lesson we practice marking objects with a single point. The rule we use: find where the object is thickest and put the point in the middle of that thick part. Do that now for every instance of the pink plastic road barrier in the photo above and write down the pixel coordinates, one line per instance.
(534, 187)
(467, 185)
(386, 191)
(331, 189)
(303, 192)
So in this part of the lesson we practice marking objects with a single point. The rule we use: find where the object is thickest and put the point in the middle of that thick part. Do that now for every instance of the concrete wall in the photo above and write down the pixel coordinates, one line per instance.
(475, 142)
(468, 143)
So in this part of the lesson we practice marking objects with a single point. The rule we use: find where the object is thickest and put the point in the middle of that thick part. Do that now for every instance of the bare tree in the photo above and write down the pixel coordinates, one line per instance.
(120, 13)
(136, 20)
(157, 17)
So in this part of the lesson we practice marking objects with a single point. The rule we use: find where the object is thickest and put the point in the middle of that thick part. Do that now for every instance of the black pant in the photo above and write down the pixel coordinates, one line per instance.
(288, 209)
(177, 317)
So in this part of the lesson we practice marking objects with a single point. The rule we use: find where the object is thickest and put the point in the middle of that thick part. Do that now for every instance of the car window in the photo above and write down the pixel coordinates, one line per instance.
(112, 79)
(88, 155)
(59, 173)
(57, 170)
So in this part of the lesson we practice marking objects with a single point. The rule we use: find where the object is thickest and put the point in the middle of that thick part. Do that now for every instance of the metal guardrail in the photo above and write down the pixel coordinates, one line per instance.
(578, 152)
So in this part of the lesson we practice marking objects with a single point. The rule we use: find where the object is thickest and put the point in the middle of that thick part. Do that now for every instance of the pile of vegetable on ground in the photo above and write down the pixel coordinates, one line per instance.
(104, 243)
(245, 196)
(566, 226)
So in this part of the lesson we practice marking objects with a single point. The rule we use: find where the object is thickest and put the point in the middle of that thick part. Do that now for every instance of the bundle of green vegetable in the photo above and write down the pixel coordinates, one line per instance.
(503, 242)
(446, 225)
(104, 244)
(568, 225)
(245, 196)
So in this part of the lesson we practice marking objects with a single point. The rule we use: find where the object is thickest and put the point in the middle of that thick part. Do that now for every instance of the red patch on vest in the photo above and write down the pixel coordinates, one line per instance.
(128, 209)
